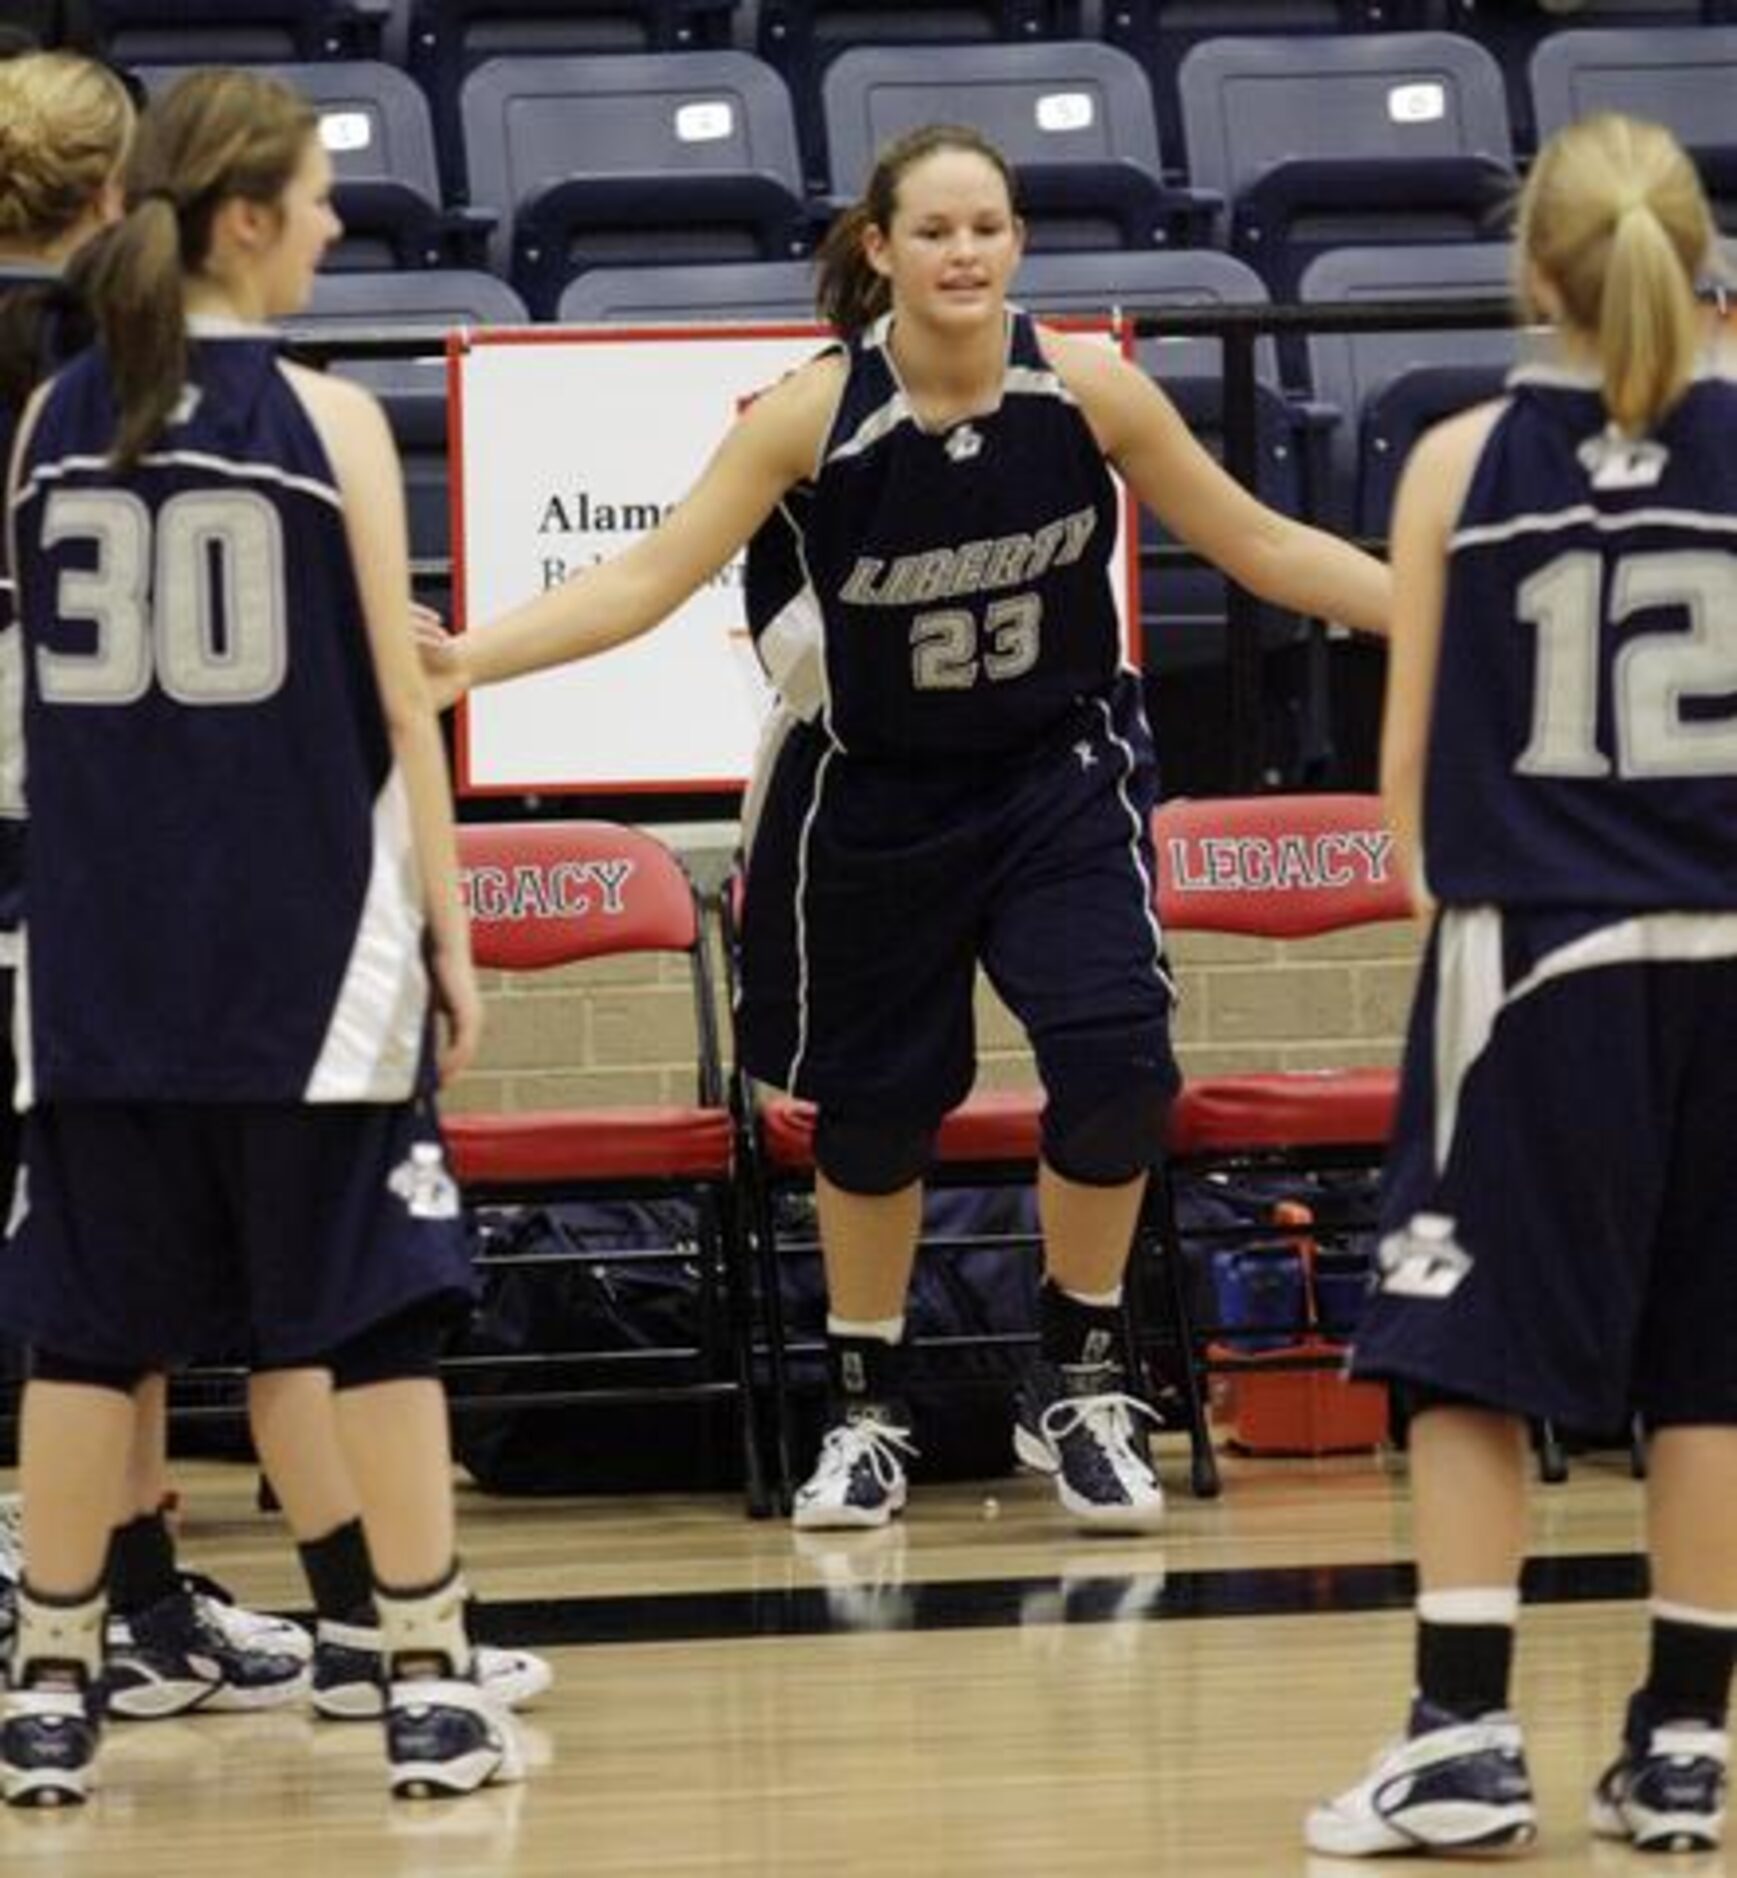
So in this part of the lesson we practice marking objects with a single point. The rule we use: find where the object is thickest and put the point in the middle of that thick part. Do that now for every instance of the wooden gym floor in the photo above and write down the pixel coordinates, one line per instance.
(977, 1692)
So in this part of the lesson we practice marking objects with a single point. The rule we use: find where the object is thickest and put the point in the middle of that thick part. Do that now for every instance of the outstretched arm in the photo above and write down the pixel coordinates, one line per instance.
(1274, 556)
(773, 445)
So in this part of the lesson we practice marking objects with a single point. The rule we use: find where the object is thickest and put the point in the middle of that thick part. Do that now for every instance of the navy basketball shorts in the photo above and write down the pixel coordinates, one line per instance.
(1559, 1214)
(875, 889)
(149, 1233)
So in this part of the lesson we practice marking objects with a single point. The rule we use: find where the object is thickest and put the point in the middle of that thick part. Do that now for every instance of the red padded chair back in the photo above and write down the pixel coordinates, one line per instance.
(548, 893)
(1276, 867)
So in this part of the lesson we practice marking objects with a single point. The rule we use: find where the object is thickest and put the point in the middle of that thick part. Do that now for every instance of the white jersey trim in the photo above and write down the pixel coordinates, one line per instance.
(239, 467)
(801, 910)
(373, 1043)
(1470, 996)
(879, 423)
(1148, 896)
(23, 1054)
(1584, 515)
(792, 643)
(12, 723)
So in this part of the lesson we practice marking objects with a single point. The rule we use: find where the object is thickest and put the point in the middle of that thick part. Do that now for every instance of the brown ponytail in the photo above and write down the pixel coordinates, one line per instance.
(214, 136)
(849, 295)
(1614, 218)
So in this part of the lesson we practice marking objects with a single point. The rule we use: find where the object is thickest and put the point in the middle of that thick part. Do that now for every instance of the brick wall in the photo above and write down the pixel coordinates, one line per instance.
(619, 1031)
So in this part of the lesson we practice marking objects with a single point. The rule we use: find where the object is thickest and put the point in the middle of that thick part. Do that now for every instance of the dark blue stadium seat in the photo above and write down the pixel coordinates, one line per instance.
(800, 37)
(1351, 372)
(1159, 32)
(651, 157)
(449, 38)
(1684, 77)
(1074, 118)
(706, 293)
(1317, 142)
(374, 123)
(236, 32)
(413, 390)
(1514, 31)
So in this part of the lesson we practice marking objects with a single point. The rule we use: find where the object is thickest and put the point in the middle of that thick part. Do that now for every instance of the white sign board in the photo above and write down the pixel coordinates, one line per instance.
(568, 445)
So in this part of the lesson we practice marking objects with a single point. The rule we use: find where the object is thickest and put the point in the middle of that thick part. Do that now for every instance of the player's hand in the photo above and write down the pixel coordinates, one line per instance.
(442, 656)
(459, 1004)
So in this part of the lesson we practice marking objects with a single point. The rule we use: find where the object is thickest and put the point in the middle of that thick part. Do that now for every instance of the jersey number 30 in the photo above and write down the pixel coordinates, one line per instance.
(1652, 677)
(195, 602)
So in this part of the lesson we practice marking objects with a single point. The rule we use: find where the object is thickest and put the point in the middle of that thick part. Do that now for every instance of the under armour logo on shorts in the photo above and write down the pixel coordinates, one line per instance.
(1423, 1259)
(423, 1184)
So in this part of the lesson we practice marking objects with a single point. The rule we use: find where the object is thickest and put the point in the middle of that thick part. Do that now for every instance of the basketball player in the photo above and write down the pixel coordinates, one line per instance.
(176, 1641)
(246, 894)
(1560, 763)
(960, 774)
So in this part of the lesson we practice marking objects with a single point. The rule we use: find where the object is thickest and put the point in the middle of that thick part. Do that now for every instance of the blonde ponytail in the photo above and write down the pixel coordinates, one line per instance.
(1614, 219)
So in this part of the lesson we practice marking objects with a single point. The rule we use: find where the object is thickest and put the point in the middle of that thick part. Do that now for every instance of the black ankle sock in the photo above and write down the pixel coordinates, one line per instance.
(1688, 1677)
(339, 1575)
(1076, 1335)
(1464, 1668)
(864, 1372)
(141, 1566)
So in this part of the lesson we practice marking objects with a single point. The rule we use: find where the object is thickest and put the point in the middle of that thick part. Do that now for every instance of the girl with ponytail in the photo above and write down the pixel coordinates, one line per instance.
(1560, 768)
(248, 967)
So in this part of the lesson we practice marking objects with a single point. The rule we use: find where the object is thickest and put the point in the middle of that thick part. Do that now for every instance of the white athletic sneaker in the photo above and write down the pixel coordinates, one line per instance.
(1669, 1797)
(859, 1479)
(1077, 1427)
(348, 1677)
(445, 1736)
(1449, 1786)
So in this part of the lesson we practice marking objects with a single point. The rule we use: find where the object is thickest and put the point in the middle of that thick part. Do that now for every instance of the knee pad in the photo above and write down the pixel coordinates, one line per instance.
(872, 1158)
(57, 1366)
(1111, 1143)
(405, 1347)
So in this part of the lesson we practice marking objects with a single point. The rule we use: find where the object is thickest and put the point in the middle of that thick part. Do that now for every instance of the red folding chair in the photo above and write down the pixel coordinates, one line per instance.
(551, 894)
(1283, 868)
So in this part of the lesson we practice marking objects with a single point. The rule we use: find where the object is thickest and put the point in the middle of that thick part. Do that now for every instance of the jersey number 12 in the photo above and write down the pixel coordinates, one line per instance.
(1652, 676)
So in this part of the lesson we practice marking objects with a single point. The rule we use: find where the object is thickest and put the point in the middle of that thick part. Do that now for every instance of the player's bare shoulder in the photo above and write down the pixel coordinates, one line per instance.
(1108, 390)
(1439, 470)
(792, 418)
(349, 420)
(1082, 361)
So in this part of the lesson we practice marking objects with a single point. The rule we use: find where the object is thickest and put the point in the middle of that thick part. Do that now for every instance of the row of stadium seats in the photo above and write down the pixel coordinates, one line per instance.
(1292, 146)
(1330, 436)
(440, 41)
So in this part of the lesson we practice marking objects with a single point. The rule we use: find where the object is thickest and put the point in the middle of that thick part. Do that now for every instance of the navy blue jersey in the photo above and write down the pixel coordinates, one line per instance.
(226, 905)
(1583, 743)
(942, 592)
(46, 339)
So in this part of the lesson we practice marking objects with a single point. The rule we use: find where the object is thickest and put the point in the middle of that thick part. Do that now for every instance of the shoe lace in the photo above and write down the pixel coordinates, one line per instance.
(1110, 1419)
(864, 1437)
